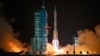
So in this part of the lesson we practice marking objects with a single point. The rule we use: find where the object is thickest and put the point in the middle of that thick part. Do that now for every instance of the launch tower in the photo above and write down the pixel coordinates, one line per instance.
(39, 41)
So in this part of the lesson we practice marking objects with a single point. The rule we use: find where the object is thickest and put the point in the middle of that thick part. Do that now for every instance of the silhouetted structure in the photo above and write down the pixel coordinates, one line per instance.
(67, 52)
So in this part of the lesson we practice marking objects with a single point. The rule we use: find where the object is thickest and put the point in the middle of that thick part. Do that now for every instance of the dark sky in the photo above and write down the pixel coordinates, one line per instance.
(73, 15)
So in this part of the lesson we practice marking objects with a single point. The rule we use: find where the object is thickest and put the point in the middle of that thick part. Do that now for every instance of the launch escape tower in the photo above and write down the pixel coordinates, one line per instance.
(39, 41)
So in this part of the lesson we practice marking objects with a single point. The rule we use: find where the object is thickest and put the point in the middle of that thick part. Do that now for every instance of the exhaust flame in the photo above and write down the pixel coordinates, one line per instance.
(63, 50)
(55, 43)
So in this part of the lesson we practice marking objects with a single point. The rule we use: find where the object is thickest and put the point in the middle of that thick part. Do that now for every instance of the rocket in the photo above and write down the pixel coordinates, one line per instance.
(55, 31)
(55, 40)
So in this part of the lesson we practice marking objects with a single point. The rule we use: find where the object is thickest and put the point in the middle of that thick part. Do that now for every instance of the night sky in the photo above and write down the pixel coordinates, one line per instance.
(73, 15)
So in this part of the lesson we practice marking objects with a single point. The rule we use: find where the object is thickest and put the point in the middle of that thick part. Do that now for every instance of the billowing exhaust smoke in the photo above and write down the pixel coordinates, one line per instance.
(8, 40)
(90, 39)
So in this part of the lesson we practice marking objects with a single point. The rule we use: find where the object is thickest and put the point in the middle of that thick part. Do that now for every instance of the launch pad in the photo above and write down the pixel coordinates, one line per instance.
(39, 42)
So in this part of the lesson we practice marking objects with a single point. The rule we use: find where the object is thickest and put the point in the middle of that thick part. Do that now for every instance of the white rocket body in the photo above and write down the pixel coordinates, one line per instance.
(55, 40)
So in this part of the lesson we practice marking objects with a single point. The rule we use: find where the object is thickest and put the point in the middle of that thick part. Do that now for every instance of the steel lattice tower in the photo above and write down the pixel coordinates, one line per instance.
(39, 42)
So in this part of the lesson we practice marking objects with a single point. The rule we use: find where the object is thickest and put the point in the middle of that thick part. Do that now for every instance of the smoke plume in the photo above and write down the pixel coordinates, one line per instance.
(88, 43)
(8, 42)
(90, 39)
